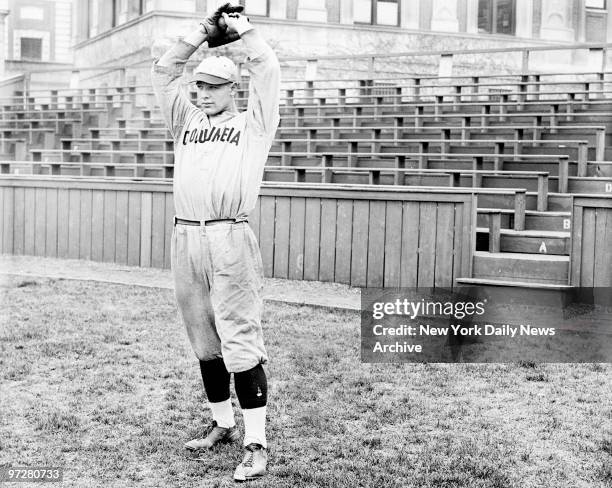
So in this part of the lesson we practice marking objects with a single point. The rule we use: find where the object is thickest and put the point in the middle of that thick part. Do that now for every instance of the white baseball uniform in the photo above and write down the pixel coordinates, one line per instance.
(217, 269)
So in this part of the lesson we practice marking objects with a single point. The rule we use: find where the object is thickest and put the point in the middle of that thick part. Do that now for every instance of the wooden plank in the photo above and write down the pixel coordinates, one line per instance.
(3, 215)
(168, 225)
(602, 274)
(158, 237)
(606, 271)
(110, 218)
(327, 255)
(134, 226)
(587, 261)
(443, 271)
(393, 244)
(121, 227)
(468, 233)
(410, 244)
(29, 220)
(376, 244)
(427, 244)
(254, 218)
(146, 222)
(458, 237)
(51, 202)
(296, 238)
(97, 225)
(576, 245)
(74, 220)
(85, 224)
(8, 220)
(344, 237)
(18, 222)
(359, 243)
(281, 237)
(312, 239)
(40, 221)
(63, 213)
(266, 234)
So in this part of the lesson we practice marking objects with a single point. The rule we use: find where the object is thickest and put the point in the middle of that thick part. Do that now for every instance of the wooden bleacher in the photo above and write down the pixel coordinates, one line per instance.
(523, 144)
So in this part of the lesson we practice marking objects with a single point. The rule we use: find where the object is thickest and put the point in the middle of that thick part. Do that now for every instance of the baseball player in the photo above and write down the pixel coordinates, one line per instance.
(218, 274)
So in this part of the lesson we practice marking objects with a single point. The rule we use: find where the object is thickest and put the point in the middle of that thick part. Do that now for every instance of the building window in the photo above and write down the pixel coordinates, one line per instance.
(256, 7)
(596, 4)
(362, 11)
(496, 16)
(596, 21)
(380, 12)
(116, 13)
(31, 48)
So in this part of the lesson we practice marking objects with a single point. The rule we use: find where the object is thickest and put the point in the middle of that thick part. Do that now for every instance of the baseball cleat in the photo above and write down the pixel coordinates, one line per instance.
(253, 464)
(216, 435)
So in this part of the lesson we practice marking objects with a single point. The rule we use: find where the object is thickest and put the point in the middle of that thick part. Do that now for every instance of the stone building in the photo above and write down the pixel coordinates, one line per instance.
(35, 35)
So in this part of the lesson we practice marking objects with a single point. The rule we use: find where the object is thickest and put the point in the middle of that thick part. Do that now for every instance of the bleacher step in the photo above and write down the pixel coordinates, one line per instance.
(554, 221)
(516, 284)
(536, 268)
(527, 241)
(534, 220)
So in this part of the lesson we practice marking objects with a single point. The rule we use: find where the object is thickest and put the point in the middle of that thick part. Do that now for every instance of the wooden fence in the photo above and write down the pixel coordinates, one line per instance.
(591, 254)
(359, 235)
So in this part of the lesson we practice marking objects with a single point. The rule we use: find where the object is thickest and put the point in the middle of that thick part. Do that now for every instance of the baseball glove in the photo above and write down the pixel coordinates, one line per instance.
(215, 27)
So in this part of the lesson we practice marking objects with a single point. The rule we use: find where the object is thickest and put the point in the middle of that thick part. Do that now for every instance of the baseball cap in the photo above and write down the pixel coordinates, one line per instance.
(216, 70)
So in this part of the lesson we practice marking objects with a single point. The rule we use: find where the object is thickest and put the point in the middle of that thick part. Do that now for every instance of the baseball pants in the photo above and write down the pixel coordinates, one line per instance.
(218, 278)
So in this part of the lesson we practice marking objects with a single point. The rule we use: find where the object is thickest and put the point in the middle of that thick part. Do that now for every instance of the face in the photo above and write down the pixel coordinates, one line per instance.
(214, 99)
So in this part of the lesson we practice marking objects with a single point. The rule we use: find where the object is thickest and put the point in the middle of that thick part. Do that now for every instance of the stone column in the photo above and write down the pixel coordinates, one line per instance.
(177, 5)
(609, 32)
(557, 20)
(123, 12)
(94, 18)
(444, 16)
(471, 24)
(524, 18)
(312, 11)
(410, 11)
(278, 9)
(3, 14)
(150, 5)
(346, 11)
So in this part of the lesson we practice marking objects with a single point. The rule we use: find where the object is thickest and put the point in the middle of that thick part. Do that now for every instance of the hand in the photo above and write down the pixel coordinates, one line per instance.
(236, 23)
(215, 27)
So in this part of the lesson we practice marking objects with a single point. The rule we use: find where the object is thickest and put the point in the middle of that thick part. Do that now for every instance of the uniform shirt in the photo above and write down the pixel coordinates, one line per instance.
(218, 167)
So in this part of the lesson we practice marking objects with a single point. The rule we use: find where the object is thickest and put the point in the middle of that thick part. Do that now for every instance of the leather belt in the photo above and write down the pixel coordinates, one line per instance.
(206, 222)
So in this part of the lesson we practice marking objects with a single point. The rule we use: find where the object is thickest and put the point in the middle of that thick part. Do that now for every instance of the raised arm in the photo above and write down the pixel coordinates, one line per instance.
(167, 71)
(166, 78)
(264, 69)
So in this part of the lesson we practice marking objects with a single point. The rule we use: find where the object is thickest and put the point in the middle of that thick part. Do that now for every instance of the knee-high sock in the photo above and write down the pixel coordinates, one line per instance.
(217, 384)
(252, 392)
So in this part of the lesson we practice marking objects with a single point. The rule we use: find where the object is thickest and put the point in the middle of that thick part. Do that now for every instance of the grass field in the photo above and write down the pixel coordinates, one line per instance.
(100, 379)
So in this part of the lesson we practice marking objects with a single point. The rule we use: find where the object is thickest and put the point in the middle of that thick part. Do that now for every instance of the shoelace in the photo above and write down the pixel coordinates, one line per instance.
(248, 462)
(211, 427)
